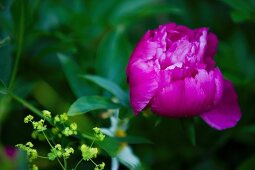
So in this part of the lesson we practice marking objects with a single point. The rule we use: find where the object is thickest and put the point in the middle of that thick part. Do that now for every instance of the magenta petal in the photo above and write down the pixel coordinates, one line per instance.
(227, 113)
(142, 74)
(143, 84)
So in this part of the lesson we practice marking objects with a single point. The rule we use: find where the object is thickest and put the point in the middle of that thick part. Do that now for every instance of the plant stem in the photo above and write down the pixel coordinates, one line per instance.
(93, 162)
(44, 157)
(65, 164)
(26, 104)
(78, 164)
(52, 148)
(19, 46)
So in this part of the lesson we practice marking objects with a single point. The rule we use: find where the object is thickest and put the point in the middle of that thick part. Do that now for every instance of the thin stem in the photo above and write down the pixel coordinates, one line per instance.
(52, 148)
(93, 162)
(78, 164)
(44, 157)
(47, 139)
(28, 105)
(19, 44)
(92, 142)
(65, 164)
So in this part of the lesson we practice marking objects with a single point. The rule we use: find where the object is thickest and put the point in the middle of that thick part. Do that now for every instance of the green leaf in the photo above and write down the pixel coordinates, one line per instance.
(126, 7)
(134, 140)
(110, 145)
(241, 10)
(72, 71)
(89, 103)
(112, 56)
(189, 129)
(130, 11)
(109, 86)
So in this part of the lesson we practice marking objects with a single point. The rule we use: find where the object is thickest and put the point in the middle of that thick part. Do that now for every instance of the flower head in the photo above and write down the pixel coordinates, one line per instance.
(173, 72)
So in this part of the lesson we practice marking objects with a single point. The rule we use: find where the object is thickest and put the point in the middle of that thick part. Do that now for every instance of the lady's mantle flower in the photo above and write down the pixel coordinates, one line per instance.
(172, 71)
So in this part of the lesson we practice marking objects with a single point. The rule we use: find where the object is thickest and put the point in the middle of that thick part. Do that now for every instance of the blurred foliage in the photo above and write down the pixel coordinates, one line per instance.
(55, 43)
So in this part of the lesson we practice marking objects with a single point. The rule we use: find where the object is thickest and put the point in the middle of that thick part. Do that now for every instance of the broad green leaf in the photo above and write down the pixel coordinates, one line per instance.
(130, 11)
(189, 129)
(89, 103)
(112, 56)
(126, 7)
(109, 86)
(72, 72)
(110, 145)
(241, 10)
(134, 140)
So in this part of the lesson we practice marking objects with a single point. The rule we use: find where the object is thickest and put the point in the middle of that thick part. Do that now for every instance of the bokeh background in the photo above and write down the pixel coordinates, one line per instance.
(98, 37)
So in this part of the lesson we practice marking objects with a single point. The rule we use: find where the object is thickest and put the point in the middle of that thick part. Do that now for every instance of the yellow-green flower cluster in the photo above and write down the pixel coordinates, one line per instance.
(56, 131)
(28, 148)
(61, 118)
(100, 166)
(67, 152)
(88, 152)
(72, 130)
(46, 114)
(37, 135)
(58, 152)
(98, 134)
(28, 118)
(34, 167)
(39, 125)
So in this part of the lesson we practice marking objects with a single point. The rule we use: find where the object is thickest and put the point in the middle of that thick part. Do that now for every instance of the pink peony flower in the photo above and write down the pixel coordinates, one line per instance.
(172, 71)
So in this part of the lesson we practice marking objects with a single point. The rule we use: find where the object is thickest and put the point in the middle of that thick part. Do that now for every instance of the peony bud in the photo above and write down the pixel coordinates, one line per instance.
(173, 72)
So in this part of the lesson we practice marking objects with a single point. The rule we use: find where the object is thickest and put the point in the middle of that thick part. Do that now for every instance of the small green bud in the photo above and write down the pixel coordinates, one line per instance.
(88, 152)
(39, 126)
(98, 134)
(46, 114)
(96, 130)
(56, 119)
(29, 144)
(68, 152)
(73, 126)
(63, 117)
(32, 154)
(58, 147)
(100, 166)
(34, 167)
(28, 118)
(55, 152)
(67, 131)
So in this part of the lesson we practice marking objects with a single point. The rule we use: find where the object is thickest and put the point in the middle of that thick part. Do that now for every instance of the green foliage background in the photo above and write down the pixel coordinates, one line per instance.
(57, 41)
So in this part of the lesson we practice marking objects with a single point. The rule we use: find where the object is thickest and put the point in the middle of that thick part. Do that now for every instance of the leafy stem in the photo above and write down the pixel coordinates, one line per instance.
(19, 46)
(78, 164)
(52, 148)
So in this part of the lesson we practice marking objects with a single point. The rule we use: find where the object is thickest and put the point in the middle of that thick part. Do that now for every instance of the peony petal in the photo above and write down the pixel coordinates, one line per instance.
(143, 84)
(187, 97)
(227, 113)
(168, 101)
(142, 73)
